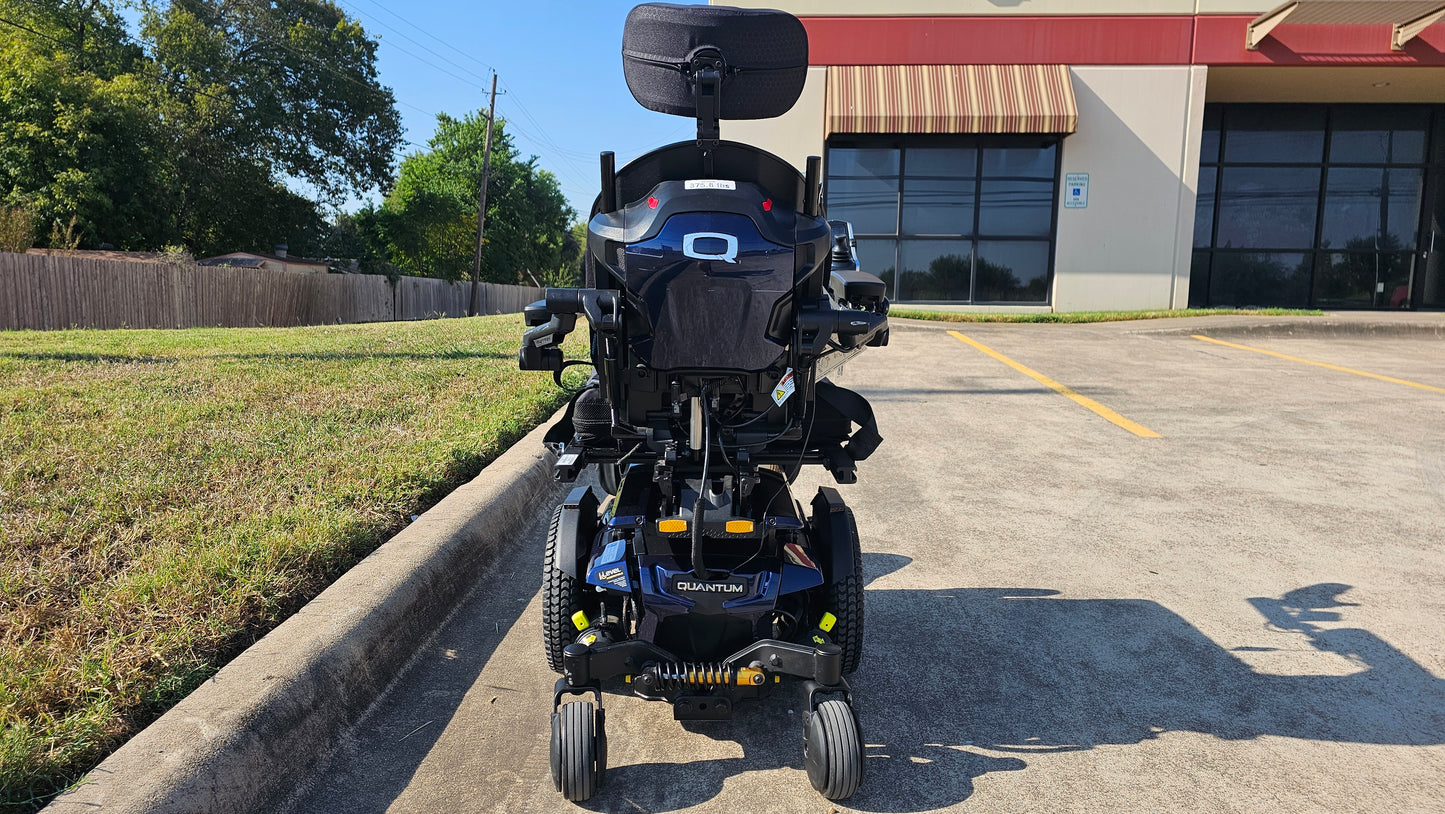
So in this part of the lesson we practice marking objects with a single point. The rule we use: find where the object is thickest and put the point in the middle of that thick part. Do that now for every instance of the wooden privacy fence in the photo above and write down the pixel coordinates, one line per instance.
(54, 292)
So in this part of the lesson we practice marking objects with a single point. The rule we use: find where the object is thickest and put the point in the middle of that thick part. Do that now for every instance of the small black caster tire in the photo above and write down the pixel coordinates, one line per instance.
(833, 750)
(579, 750)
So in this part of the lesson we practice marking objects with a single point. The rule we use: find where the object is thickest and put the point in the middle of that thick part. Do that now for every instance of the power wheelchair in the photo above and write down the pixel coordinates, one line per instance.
(717, 300)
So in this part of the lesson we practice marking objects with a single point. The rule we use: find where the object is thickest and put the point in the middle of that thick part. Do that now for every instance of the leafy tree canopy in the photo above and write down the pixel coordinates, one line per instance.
(188, 134)
(300, 80)
(428, 222)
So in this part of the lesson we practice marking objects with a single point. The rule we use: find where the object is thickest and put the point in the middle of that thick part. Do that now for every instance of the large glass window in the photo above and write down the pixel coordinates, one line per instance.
(955, 218)
(865, 183)
(1309, 204)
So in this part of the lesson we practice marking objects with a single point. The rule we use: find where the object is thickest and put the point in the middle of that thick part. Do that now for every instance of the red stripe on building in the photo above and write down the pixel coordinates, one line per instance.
(1104, 40)
(999, 40)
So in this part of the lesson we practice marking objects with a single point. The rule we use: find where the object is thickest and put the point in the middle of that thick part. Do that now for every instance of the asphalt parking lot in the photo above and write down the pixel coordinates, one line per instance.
(1244, 613)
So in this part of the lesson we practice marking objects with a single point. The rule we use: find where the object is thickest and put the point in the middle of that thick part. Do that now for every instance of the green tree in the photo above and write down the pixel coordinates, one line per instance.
(357, 236)
(570, 272)
(298, 77)
(78, 133)
(428, 223)
(191, 134)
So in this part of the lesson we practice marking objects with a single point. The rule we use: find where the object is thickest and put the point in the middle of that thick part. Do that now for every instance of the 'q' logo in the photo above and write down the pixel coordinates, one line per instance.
(729, 254)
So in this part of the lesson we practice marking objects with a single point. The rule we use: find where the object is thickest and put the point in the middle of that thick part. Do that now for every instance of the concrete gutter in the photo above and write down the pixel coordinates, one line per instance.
(249, 735)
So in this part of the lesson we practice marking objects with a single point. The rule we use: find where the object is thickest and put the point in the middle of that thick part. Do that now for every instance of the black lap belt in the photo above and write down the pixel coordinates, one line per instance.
(855, 408)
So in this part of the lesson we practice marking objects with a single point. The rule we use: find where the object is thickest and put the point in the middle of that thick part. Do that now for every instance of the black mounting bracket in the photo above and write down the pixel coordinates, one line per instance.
(706, 70)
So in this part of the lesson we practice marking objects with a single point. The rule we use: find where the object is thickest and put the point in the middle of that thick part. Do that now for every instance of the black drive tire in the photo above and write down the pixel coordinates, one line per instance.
(845, 601)
(561, 597)
(833, 750)
(579, 755)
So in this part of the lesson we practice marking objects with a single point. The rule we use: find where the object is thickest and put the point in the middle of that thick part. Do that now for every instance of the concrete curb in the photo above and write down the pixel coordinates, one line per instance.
(1318, 327)
(246, 737)
(1357, 324)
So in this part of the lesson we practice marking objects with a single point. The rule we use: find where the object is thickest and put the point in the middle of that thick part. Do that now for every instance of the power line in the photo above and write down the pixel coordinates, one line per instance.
(421, 59)
(38, 34)
(80, 49)
(464, 54)
(541, 137)
(546, 139)
(461, 68)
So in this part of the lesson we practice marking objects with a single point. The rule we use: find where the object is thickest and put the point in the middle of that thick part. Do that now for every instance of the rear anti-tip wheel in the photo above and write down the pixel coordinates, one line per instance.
(833, 750)
(579, 750)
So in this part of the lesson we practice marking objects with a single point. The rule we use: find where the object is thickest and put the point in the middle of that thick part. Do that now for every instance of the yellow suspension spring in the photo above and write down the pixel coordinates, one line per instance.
(677, 675)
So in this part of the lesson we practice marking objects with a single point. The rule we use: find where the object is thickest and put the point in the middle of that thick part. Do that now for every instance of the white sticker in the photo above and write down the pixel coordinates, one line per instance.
(784, 389)
(568, 459)
(706, 183)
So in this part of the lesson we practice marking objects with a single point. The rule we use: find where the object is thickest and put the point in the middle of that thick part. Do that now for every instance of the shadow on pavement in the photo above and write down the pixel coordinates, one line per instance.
(449, 668)
(959, 683)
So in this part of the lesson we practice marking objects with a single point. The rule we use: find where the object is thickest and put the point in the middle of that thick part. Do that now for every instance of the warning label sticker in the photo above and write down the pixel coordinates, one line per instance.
(785, 388)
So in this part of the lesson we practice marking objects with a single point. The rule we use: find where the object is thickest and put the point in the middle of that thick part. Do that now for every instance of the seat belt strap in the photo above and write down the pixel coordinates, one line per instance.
(855, 408)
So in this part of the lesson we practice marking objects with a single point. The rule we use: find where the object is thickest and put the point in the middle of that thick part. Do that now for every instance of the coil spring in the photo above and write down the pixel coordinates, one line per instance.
(681, 675)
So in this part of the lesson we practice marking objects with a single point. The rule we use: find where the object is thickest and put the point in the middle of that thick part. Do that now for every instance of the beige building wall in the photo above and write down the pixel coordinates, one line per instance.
(1138, 139)
(795, 135)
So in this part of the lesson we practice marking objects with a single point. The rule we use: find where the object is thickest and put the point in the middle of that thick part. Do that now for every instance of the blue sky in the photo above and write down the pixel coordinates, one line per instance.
(560, 82)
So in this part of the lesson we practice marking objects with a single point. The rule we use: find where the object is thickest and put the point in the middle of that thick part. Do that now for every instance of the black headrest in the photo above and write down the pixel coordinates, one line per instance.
(766, 53)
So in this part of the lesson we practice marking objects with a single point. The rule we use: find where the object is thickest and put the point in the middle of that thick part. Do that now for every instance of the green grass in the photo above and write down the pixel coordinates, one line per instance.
(1095, 316)
(166, 497)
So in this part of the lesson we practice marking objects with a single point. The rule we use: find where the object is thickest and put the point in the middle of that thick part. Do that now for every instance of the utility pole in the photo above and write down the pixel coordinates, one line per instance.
(482, 205)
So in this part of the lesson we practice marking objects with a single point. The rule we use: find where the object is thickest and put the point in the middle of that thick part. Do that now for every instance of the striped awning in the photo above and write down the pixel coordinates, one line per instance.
(950, 99)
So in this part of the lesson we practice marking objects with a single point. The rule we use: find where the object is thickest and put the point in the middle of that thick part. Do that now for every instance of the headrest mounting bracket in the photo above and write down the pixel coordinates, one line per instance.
(706, 70)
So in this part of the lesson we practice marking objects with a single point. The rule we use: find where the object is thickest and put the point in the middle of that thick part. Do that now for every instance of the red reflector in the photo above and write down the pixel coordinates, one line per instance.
(651, 203)
(767, 206)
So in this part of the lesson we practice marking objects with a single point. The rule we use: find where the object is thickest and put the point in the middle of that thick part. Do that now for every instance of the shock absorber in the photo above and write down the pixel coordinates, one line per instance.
(679, 676)
(693, 675)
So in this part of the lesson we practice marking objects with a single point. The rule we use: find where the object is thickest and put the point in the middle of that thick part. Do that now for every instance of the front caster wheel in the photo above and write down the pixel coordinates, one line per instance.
(579, 749)
(833, 750)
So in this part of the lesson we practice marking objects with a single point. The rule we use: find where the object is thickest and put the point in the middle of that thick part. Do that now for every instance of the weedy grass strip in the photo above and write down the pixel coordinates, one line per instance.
(167, 497)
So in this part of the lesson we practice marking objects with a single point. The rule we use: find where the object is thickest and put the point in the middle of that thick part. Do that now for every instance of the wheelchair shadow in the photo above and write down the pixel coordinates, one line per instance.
(956, 684)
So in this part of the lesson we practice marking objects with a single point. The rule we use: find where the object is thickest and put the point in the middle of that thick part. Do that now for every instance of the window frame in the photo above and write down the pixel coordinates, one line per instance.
(901, 142)
(1218, 115)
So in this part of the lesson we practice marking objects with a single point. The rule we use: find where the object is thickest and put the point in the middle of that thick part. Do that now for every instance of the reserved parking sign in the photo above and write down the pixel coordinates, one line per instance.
(1076, 190)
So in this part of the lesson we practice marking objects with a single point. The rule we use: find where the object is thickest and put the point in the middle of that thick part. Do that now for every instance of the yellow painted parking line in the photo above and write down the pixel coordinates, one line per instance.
(1101, 410)
(1367, 375)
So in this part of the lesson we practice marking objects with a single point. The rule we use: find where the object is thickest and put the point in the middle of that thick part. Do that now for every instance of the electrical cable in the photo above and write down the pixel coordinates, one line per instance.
(765, 441)
(807, 435)
(699, 567)
(393, 30)
(426, 33)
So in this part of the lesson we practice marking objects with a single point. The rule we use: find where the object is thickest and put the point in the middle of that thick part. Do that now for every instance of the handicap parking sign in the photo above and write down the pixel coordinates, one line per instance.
(1076, 190)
